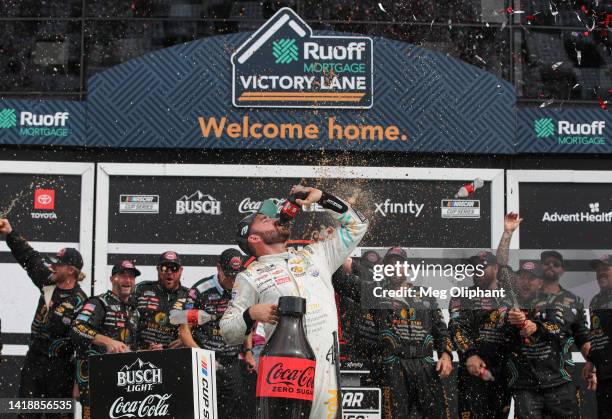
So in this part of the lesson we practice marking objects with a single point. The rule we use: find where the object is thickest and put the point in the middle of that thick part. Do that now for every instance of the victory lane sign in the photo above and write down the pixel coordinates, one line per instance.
(284, 66)
(175, 383)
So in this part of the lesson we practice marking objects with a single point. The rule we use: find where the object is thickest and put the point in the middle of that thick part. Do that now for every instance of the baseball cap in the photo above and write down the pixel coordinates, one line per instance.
(169, 257)
(125, 266)
(604, 260)
(269, 208)
(68, 256)
(395, 253)
(532, 267)
(483, 258)
(232, 262)
(370, 258)
(551, 254)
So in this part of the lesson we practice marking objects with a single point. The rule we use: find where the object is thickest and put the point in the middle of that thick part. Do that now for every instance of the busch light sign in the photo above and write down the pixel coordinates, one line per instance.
(284, 66)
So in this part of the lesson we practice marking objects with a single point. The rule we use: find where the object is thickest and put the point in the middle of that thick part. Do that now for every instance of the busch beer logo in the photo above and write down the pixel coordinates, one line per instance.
(140, 376)
(151, 406)
(283, 65)
(198, 203)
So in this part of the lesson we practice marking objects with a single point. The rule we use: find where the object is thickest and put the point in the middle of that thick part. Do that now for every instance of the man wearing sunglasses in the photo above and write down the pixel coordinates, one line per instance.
(155, 299)
(212, 295)
(563, 300)
(48, 370)
(542, 336)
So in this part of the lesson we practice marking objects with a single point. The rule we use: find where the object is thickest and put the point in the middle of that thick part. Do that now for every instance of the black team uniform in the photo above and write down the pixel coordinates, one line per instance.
(48, 369)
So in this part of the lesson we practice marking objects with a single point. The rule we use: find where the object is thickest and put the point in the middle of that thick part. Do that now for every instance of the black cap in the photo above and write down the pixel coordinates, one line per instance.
(125, 266)
(68, 256)
(291, 305)
(484, 258)
(243, 233)
(370, 258)
(169, 257)
(397, 253)
(604, 260)
(533, 268)
(232, 262)
(551, 254)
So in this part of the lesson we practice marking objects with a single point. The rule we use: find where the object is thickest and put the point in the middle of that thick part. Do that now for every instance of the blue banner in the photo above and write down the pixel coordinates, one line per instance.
(285, 87)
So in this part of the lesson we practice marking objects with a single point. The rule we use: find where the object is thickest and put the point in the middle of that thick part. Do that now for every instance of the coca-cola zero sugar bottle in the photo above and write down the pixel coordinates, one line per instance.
(285, 379)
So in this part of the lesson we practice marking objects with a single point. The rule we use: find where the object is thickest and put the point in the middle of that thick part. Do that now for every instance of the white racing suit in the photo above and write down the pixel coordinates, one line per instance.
(305, 273)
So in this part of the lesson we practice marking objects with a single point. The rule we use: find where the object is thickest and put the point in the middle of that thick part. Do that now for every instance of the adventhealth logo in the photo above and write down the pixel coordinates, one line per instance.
(568, 133)
(35, 125)
(285, 51)
(544, 127)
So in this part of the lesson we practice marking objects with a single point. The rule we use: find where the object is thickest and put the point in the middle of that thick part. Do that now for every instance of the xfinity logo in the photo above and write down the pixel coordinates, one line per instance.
(389, 207)
(591, 216)
(198, 203)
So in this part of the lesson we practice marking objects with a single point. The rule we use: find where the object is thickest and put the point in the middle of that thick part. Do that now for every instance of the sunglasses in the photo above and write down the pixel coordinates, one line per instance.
(169, 268)
(553, 263)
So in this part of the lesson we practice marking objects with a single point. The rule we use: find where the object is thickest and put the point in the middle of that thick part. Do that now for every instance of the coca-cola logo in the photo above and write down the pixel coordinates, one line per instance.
(247, 206)
(278, 374)
(151, 406)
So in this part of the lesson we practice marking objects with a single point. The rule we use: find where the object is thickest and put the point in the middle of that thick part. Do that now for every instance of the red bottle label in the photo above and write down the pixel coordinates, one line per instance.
(192, 317)
(289, 378)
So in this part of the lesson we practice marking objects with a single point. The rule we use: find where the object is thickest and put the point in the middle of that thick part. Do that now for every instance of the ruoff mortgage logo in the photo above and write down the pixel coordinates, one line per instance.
(33, 124)
(283, 65)
(567, 133)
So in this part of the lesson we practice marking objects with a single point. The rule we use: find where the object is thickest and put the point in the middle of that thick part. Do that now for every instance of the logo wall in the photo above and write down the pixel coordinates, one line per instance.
(284, 65)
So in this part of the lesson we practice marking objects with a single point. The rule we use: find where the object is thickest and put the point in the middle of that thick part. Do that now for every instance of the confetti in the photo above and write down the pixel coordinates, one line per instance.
(576, 85)
(557, 65)
(579, 56)
(602, 103)
(380, 6)
(480, 59)
(548, 102)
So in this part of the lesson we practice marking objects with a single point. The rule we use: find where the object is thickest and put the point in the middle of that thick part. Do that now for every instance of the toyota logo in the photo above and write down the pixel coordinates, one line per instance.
(44, 199)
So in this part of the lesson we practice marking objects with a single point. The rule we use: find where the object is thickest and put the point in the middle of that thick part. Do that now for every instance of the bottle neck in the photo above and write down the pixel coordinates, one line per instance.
(293, 322)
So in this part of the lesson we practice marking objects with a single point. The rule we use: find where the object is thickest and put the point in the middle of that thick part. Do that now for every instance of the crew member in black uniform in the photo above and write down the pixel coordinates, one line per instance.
(600, 357)
(478, 328)
(410, 329)
(48, 370)
(107, 323)
(155, 299)
(539, 340)
(235, 385)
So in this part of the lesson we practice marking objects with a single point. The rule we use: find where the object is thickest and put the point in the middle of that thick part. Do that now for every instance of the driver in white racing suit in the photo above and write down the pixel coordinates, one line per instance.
(279, 271)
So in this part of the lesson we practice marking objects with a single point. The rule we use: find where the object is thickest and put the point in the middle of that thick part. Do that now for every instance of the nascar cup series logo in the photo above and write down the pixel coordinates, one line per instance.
(283, 65)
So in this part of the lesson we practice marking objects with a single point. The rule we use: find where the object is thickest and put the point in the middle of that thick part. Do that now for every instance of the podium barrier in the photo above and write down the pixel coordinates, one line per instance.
(169, 384)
